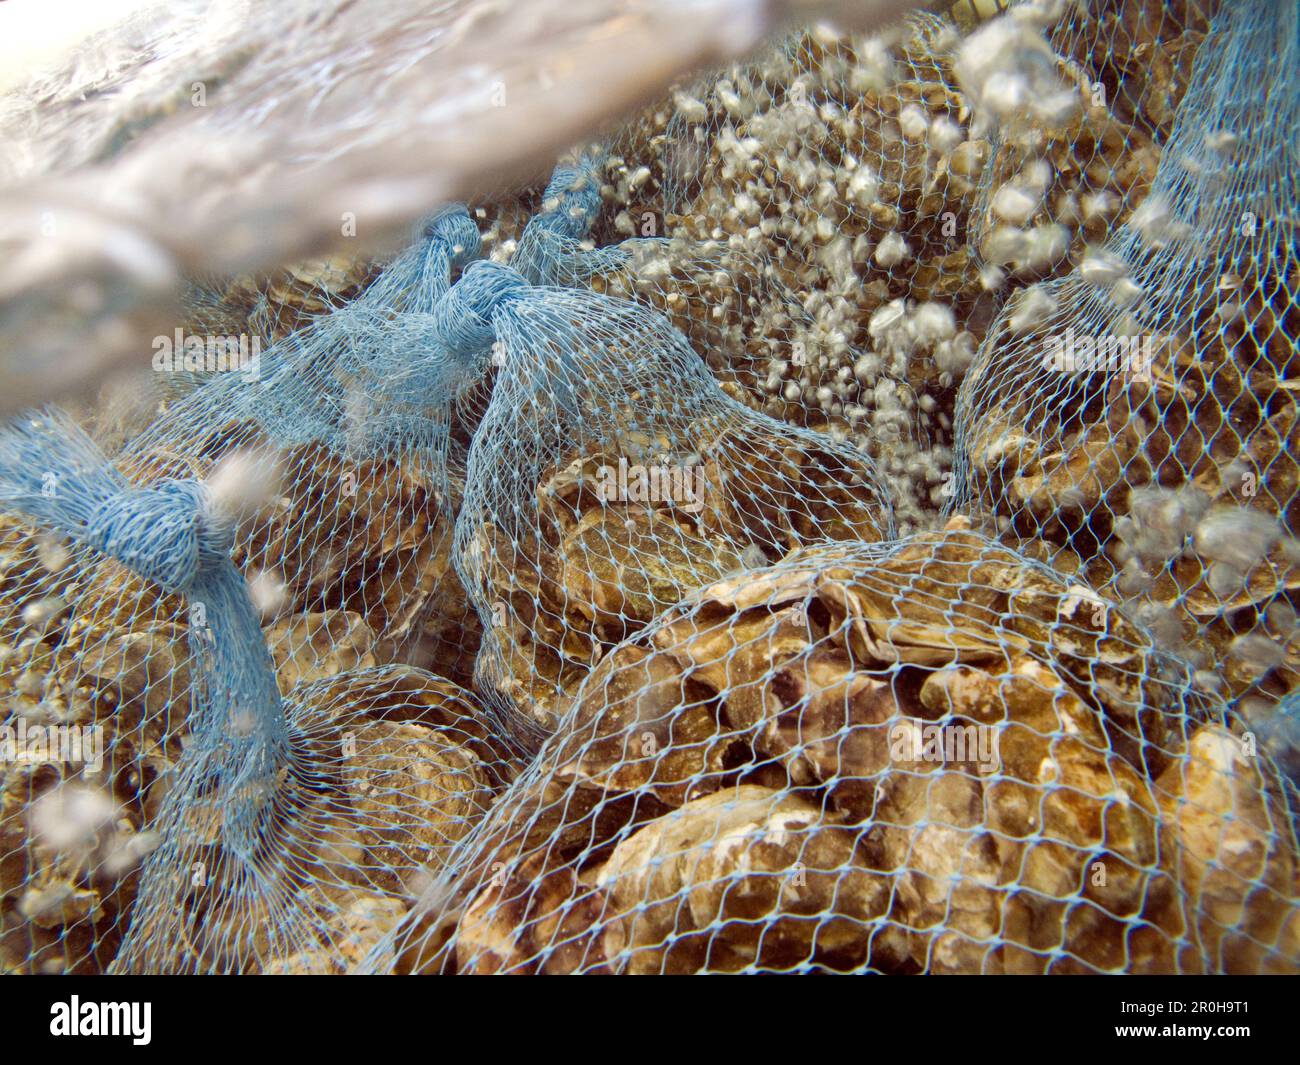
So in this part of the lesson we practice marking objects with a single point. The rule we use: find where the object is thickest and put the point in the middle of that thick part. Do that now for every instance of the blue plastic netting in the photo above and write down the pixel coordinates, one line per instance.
(611, 474)
(846, 525)
(286, 829)
(931, 755)
(1135, 415)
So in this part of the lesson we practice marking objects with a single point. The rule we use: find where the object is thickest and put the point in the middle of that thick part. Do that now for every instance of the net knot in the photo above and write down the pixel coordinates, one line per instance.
(452, 227)
(571, 201)
(163, 533)
(463, 317)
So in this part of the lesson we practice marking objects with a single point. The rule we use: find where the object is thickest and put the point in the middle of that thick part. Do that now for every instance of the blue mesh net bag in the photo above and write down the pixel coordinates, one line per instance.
(224, 825)
(555, 247)
(817, 205)
(728, 299)
(901, 187)
(1132, 419)
(610, 474)
(927, 755)
(226, 323)
(350, 415)
(320, 380)
(349, 566)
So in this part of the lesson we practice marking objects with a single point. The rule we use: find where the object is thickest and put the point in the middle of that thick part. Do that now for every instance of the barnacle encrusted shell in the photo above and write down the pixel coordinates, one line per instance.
(601, 568)
(391, 771)
(758, 726)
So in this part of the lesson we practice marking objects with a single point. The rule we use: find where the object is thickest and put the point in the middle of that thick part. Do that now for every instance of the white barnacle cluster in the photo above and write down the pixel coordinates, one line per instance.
(244, 483)
(819, 254)
(1235, 541)
(1156, 221)
(1031, 309)
(1009, 71)
(1026, 236)
(1186, 561)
